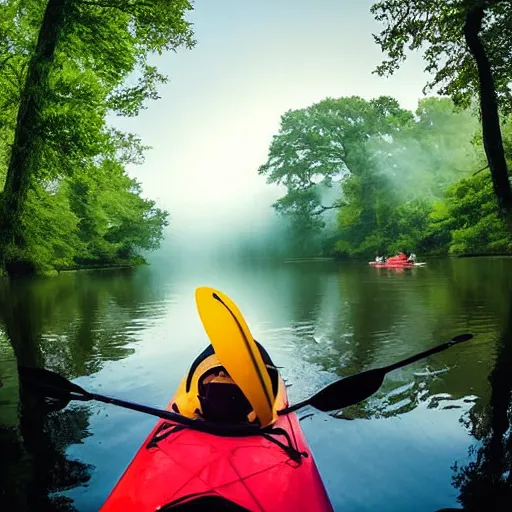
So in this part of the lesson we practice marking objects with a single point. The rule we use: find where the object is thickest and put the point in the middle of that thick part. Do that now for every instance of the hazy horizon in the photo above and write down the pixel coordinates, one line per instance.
(253, 61)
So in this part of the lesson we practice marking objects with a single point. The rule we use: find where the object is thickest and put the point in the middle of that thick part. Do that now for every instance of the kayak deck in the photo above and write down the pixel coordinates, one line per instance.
(252, 472)
(178, 468)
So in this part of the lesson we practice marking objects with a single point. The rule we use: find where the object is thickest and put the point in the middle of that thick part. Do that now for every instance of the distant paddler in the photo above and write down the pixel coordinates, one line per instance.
(379, 259)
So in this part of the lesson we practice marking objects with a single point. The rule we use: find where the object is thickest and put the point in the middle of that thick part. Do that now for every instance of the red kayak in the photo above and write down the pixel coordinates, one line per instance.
(396, 264)
(179, 468)
(391, 265)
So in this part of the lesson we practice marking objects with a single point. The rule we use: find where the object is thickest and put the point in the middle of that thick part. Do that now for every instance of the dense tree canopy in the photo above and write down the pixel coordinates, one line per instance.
(466, 45)
(323, 144)
(65, 65)
(396, 179)
(435, 27)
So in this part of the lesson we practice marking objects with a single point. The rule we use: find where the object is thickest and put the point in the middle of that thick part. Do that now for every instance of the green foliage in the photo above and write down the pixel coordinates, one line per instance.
(101, 68)
(115, 221)
(396, 172)
(364, 220)
(51, 227)
(435, 27)
(432, 153)
(95, 217)
(80, 205)
(477, 226)
(324, 143)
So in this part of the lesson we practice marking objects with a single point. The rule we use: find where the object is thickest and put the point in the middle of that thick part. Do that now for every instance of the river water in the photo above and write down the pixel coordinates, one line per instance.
(436, 435)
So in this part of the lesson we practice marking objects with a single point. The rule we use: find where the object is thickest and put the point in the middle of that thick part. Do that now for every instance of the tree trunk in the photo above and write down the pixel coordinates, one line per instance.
(493, 143)
(29, 133)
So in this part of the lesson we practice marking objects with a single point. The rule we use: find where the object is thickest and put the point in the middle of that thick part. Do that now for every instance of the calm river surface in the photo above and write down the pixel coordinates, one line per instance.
(437, 434)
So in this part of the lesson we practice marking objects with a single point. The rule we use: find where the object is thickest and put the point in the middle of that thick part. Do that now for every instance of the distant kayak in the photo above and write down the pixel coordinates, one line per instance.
(179, 468)
(396, 264)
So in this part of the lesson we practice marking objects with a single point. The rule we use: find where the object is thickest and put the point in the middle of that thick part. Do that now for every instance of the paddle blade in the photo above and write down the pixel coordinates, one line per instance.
(236, 350)
(348, 391)
(50, 384)
(354, 389)
(460, 338)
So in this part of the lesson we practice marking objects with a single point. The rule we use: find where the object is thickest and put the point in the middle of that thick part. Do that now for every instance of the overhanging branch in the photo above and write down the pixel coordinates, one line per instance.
(480, 170)
(125, 7)
(321, 208)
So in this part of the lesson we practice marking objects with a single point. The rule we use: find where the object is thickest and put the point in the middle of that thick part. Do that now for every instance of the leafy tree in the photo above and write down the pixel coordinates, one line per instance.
(477, 226)
(438, 233)
(431, 153)
(51, 229)
(364, 218)
(471, 215)
(466, 46)
(324, 143)
(435, 27)
(393, 170)
(75, 60)
(115, 221)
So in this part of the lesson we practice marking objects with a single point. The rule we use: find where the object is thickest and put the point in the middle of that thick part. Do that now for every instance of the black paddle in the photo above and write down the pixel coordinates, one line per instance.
(337, 395)
(57, 387)
(356, 388)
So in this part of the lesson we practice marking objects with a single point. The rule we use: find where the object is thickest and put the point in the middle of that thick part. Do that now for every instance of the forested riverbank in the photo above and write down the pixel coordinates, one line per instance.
(67, 69)
(365, 176)
(369, 176)
(361, 175)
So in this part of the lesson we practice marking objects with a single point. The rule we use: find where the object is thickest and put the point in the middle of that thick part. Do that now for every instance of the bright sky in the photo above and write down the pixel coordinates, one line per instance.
(254, 60)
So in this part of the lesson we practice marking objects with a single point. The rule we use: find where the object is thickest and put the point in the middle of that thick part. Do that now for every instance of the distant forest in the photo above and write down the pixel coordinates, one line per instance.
(368, 176)
(65, 65)
(436, 181)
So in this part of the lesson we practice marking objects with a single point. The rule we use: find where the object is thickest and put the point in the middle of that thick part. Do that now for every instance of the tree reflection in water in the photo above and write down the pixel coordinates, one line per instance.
(69, 324)
(485, 483)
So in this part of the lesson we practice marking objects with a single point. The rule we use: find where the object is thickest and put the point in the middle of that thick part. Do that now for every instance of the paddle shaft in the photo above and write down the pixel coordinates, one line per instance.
(75, 392)
(421, 355)
(295, 407)
(382, 371)
(200, 425)
(56, 386)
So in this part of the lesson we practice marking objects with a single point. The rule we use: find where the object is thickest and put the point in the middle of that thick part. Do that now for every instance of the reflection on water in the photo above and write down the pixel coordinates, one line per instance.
(485, 483)
(436, 435)
(72, 325)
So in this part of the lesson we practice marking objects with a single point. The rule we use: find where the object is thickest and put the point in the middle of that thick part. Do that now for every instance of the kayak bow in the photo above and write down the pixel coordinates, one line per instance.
(181, 469)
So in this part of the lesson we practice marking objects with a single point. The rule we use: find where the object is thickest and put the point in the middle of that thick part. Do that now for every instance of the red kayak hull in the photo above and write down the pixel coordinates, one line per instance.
(392, 265)
(396, 264)
(250, 471)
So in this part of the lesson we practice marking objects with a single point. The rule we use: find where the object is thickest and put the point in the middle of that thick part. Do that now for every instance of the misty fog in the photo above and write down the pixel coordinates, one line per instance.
(212, 127)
